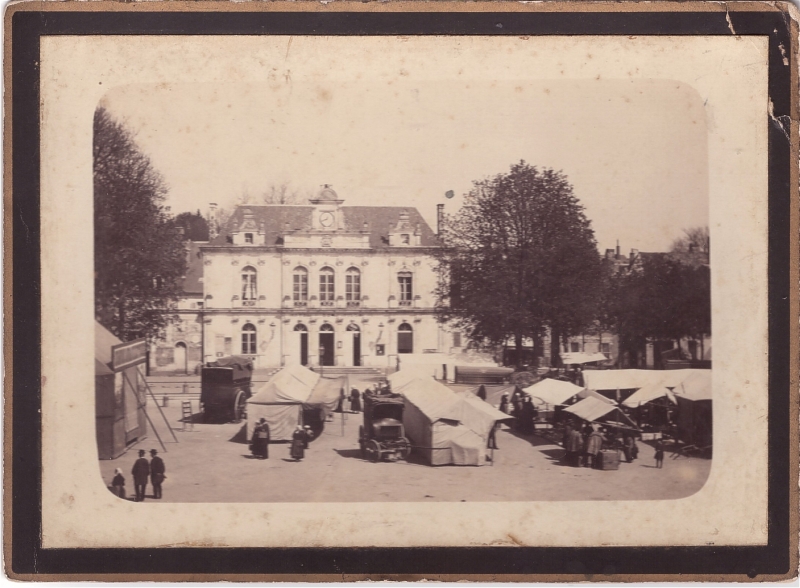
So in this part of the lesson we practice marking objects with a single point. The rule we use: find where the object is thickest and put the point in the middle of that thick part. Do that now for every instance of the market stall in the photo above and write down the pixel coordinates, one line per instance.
(293, 396)
(445, 427)
(120, 393)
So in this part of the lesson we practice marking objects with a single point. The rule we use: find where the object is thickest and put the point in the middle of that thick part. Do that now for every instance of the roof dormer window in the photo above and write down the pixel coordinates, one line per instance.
(405, 239)
(248, 238)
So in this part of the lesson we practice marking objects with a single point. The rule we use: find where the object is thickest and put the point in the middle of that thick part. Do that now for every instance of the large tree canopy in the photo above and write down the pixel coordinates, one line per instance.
(519, 258)
(663, 299)
(139, 254)
(194, 225)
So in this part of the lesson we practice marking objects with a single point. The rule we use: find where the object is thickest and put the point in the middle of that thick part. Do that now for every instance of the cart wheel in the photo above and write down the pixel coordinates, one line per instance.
(240, 407)
(403, 448)
(374, 450)
(361, 442)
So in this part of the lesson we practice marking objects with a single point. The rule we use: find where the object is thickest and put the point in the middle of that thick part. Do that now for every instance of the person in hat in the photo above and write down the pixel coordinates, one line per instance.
(157, 471)
(140, 471)
(259, 444)
(504, 404)
(118, 483)
(594, 443)
(297, 450)
(309, 435)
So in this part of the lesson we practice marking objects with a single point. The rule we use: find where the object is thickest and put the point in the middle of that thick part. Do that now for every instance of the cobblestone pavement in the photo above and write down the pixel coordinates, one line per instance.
(211, 463)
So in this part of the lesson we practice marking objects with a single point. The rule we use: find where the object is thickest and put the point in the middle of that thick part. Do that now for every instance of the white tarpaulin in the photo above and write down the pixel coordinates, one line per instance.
(550, 391)
(635, 379)
(447, 428)
(696, 387)
(282, 399)
(647, 394)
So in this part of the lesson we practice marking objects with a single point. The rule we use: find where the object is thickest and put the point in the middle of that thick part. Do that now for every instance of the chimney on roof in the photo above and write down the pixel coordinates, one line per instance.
(211, 220)
(609, 254)
(634, 253)
(439, 218)
(618, 251)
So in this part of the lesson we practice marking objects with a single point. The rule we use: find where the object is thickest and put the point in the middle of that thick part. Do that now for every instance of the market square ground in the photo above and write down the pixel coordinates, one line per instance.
(212, 463)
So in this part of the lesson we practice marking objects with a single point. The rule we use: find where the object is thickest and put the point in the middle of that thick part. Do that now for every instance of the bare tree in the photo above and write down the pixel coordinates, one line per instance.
(693, 248)
(280, 194)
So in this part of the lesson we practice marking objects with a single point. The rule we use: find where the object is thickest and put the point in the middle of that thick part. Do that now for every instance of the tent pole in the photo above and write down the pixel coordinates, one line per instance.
(153, 396)
(144, 409)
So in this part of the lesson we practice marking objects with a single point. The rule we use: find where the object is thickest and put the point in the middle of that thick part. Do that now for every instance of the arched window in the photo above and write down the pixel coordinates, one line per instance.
(249, 339)
(249, 286)
(326, 287)
(353, 327)
(406, 288)
(326, 328)
(300, 327)
(300, 286)
(352, 287)
(405, 339)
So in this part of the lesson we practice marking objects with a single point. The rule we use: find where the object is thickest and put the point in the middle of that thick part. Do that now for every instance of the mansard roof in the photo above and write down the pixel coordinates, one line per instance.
(280, 219)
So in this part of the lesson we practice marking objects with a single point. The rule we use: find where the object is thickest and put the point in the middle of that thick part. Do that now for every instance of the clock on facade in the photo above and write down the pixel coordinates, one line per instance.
(326, 219)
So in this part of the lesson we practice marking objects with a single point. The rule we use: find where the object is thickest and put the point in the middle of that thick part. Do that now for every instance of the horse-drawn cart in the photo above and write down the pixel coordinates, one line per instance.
(382, 435)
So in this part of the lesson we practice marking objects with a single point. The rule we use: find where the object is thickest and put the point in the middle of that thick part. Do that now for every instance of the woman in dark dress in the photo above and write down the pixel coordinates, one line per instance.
(118, 483)
(259, 446)
(482, 393)
(355, 400)
(298, 443)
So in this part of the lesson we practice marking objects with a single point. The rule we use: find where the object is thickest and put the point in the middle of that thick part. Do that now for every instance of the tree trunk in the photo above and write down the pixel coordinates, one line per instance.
(555, 347)
(538, 350)
(518, 345)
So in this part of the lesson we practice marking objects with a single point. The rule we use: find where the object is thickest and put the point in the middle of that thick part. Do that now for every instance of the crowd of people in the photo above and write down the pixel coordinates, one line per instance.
(583, 443)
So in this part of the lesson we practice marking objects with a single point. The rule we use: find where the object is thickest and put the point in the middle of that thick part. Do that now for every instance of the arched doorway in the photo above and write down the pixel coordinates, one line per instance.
(302, 335)
(326, 344)
(180, 357)
(405, 339)
(355, 333)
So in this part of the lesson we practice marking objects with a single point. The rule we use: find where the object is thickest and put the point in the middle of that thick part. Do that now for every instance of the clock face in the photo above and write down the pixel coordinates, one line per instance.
(326, 219)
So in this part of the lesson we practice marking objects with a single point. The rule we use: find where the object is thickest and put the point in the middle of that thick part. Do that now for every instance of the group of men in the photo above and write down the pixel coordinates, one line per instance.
(583, 446)
(142, 470)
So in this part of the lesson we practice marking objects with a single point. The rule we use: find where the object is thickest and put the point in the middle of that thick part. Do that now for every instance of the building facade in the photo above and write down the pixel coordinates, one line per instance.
(323, 284)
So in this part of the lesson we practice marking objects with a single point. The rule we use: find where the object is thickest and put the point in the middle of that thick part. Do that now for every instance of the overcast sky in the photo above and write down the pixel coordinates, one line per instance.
(634, 150)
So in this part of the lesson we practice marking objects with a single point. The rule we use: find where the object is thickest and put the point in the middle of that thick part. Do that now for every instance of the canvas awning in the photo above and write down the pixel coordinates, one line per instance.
(593, 409)
(577, 358)
(550, 391)
(635, 379)
(696, 387)
(647, 394)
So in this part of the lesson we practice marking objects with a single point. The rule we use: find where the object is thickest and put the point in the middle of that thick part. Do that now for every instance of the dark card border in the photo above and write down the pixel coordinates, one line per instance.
(27, 557)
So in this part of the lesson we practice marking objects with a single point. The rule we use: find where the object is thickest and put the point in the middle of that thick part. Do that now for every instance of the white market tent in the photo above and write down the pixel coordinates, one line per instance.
(445, 427)
(282, 399)
(580, 357)
(550, 391)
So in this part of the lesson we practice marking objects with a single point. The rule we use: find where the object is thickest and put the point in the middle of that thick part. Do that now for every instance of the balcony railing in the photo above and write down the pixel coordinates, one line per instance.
(326, 302)
(248, 302)
(351, 303)
(404, 303)
(301, 303)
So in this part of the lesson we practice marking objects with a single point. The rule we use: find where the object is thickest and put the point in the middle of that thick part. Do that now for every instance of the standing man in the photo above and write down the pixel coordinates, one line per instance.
(157, 471)
(140, 471)
(355, 400)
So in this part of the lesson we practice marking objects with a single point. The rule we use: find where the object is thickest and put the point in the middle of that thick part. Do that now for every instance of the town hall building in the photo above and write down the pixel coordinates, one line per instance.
(318, 284)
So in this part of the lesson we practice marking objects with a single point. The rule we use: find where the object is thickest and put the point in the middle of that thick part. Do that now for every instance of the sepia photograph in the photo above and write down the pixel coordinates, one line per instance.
(369, 282)
(451, 318)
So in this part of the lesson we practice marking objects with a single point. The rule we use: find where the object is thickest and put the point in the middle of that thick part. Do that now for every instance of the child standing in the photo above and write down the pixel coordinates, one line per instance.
(659, 453)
